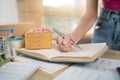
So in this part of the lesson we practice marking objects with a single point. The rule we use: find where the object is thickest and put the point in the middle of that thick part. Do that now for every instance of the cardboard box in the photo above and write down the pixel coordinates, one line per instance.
(38, 40)
(19, 28)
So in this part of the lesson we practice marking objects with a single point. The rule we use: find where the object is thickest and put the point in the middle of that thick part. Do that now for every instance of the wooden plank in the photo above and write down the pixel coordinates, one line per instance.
(112, 54)
(40, 74)
(30, 10)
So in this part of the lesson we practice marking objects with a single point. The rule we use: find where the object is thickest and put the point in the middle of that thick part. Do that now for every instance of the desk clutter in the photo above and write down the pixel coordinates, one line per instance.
(5, 45)
(102, 69)
(29, 67)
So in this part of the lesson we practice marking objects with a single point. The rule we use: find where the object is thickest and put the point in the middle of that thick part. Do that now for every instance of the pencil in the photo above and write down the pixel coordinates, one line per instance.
(62, 35)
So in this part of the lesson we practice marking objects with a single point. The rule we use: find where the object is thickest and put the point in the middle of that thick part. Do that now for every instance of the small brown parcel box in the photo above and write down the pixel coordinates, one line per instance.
(39, 40)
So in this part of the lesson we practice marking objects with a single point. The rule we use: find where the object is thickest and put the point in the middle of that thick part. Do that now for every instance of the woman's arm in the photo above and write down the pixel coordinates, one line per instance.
(85, 24)
(87, 20)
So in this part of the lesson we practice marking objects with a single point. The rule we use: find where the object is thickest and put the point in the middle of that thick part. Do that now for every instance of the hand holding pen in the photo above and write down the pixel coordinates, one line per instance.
(65, 42)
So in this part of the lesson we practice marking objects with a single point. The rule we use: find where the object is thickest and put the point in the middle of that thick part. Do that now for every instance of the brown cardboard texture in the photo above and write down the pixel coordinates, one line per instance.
(38, 40)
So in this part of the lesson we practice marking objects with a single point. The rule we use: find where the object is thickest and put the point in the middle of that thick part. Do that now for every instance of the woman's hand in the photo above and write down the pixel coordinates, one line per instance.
(65, 44)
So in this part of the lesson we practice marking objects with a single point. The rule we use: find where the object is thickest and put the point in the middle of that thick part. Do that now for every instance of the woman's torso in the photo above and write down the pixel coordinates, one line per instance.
(111, 4)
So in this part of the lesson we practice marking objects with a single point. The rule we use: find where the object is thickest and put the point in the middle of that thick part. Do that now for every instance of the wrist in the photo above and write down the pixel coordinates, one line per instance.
(73, 37)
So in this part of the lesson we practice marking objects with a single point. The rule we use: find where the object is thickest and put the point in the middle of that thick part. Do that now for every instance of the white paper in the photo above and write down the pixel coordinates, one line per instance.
(16, 71)
(103, 64)
(102, 69)
(48, 66)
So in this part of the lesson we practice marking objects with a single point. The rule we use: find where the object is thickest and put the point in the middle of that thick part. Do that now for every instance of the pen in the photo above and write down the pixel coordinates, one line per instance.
(62, 35)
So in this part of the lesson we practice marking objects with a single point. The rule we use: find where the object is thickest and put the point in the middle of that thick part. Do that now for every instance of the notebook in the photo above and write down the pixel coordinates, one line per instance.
(89, 53)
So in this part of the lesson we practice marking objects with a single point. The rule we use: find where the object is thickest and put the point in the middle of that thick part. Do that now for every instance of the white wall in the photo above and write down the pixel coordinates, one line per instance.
(8, 11)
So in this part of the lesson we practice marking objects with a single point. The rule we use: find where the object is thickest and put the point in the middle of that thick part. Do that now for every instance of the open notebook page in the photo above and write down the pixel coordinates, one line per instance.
(88, 50)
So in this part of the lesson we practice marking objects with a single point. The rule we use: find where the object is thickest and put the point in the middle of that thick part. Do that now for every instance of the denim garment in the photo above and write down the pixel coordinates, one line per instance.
(107, 28)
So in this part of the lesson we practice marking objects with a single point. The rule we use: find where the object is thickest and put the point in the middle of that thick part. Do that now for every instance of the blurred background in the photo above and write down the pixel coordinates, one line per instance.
(62, 14)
